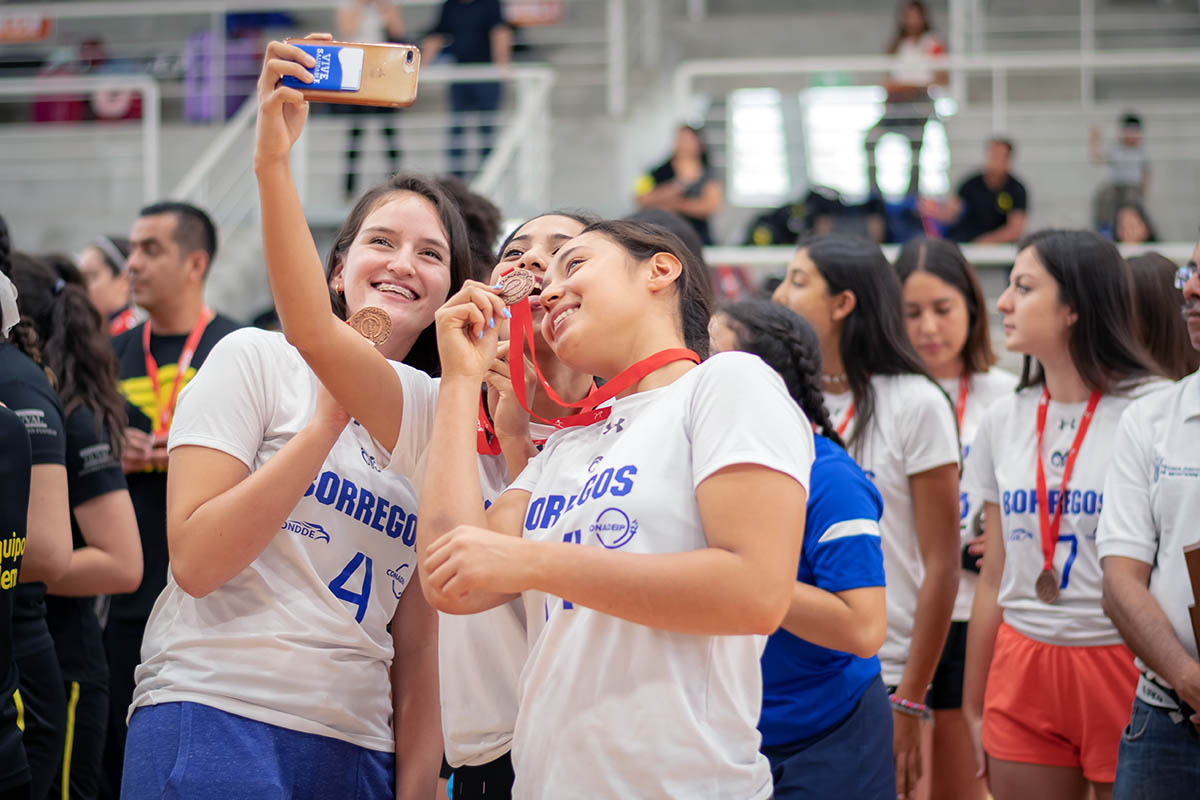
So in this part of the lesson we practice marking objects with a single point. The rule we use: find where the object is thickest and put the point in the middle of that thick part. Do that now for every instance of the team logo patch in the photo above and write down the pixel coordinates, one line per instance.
(309, 529)
(1020, 535)
(1164, 470)
(613, 528)
(399, 579)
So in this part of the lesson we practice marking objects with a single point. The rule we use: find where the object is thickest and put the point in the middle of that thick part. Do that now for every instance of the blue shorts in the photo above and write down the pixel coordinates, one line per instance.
(853, 759)
(194, 752)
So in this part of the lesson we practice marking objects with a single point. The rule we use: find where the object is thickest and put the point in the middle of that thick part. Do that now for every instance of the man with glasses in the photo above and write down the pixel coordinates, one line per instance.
(1151, 504)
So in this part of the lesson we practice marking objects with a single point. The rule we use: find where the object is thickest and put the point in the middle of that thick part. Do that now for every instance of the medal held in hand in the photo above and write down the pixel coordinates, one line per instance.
(372, 323)
(516, 285)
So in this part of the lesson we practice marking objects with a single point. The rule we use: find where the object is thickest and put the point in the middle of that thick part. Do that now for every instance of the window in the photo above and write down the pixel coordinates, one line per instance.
(836, 120)
(757, 163)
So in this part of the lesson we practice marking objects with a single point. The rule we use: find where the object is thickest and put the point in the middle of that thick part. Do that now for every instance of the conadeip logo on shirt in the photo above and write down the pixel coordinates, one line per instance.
(613, 528)
(310, 530)
(398, 579)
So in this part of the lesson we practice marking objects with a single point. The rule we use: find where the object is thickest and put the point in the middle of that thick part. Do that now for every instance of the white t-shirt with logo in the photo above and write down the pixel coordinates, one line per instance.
(1002, 468)
(480, 658)
(610, 708)
(299, 638)
(1153, 497)
(913, 431)
(983, 389)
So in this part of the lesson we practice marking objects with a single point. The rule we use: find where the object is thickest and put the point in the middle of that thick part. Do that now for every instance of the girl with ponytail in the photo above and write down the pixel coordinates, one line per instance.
(826, 723)
(107, 555)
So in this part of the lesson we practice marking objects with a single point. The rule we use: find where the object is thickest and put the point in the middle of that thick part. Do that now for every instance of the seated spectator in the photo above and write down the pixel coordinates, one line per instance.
(990, 206)
(1131, 225)
(1128, 168)
(684, 184)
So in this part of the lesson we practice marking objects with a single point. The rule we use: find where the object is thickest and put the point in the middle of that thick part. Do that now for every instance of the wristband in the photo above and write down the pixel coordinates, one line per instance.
(918, 710)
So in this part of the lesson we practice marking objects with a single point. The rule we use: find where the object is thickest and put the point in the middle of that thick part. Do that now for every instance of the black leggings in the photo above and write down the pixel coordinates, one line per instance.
(490, 781)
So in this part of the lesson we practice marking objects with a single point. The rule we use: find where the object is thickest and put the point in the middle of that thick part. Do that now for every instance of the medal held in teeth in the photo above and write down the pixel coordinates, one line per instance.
(372, 323)
(516, 285)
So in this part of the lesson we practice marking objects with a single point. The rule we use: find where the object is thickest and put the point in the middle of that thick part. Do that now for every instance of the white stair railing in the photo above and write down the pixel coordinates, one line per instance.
(514, 176)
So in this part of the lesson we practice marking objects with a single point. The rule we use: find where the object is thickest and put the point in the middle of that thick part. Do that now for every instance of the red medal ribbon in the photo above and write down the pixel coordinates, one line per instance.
(163, 416)
(521, 334)
(964, 386)
(1050, 528)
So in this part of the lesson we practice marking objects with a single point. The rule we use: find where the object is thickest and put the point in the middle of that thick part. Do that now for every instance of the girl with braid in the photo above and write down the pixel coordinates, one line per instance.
(826, 723)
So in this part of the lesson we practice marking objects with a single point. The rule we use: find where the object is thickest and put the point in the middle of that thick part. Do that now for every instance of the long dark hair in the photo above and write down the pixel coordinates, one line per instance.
(75, 345)
(899, 35)
(699, 134)
(1160, 326)
(424, 354)
(944, 260)
(1140, 210)
(580, 215)
(789, 345)
(642, 241)
(1095, 282)
(873, 339)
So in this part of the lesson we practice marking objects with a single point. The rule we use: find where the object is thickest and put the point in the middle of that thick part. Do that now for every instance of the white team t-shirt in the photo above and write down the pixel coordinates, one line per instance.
(1153, 497)
(983, 389)
(612, 709)
(913, 431)
(1002, 468)
(299, 638)
(480, 658)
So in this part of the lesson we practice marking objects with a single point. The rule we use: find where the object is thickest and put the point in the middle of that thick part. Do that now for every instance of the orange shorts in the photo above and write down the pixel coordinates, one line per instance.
(1059, 706)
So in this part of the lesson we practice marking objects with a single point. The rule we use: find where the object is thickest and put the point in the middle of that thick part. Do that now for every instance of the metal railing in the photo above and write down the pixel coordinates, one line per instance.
(514, 175)
(149, 125)
(771, 260)
(995, 66)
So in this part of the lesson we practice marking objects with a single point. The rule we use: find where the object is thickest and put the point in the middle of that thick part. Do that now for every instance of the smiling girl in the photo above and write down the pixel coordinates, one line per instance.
(900, 429)
(653, 549)
(1059, 681)
(290, 636)
(947, 323)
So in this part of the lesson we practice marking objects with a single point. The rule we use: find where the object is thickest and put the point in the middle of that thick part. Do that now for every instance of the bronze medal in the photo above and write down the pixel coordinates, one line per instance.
(516, 286)
(373, 323)
(1047, 585)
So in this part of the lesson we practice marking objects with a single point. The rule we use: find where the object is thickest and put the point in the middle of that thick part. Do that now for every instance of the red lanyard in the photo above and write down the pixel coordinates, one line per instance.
(122, 322)
(1050, 529)
(521, 333)
(845, 423)
(964, 386)
(163, 415)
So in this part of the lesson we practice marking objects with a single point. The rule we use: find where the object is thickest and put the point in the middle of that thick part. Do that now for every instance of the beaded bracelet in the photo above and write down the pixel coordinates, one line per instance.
(918, 710)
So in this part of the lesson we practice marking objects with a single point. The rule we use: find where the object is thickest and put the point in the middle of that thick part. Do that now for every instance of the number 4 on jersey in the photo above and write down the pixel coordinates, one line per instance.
(361, 598)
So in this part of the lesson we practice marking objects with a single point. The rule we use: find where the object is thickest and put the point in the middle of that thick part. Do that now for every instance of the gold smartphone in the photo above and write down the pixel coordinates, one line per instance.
(360, 74)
